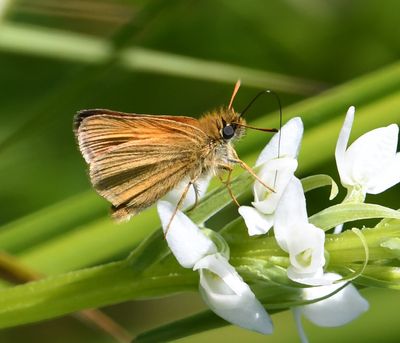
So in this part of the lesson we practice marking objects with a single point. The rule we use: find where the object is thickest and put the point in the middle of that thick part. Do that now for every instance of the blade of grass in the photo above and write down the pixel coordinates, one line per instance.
(93, 243)
(146, 60)
(47, 43)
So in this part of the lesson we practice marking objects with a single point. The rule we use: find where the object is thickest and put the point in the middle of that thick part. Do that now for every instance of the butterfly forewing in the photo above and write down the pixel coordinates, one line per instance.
(136, 159)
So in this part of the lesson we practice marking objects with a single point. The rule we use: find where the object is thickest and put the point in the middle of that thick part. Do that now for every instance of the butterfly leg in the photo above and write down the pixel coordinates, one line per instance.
(251, 171)
(196, 195)
(227, 183)
(178, 206)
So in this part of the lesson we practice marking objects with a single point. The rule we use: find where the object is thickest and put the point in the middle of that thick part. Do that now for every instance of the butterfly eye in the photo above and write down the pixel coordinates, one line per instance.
(228, 132)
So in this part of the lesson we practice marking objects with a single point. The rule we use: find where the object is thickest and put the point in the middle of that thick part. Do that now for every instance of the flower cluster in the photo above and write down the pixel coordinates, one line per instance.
(370, 165)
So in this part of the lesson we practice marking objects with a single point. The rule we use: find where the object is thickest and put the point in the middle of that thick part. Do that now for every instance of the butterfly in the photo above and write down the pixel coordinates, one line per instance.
(136, 159)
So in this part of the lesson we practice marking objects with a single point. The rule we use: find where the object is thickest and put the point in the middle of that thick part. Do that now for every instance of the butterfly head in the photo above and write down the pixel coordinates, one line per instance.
(223, 125)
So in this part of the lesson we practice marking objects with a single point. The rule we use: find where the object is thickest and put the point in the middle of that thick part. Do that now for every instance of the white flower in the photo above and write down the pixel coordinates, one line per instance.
(303, 241)
(221, 287)
(370, 164)
(275, 171)
(186, 241)
(225, 292)
(339, 309)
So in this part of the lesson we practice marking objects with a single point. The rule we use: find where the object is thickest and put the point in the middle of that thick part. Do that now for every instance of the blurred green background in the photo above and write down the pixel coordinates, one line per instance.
(178, 57)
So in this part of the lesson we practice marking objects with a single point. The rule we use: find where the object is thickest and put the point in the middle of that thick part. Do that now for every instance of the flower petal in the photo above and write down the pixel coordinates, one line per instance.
(225, 292)
(371, 154)
(389, 177)
(339, 309)
(186, 241)
(311, 279)
(290, 139)
(290, 212)
(277, 173)
(338, 229)
(341, 147)
(256, 222)
(306, 251)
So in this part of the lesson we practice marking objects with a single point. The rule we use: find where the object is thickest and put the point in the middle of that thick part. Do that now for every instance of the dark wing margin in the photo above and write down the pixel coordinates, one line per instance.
(83, 114)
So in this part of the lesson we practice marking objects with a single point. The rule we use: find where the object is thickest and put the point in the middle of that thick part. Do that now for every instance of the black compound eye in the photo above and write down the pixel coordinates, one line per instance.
(228, 132)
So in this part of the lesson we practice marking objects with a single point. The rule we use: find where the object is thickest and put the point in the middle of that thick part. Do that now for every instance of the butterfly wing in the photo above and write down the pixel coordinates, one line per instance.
(134, 160)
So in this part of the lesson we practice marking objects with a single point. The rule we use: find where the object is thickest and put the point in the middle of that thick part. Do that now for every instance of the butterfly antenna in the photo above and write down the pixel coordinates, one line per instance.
(269, 91)
(235, 90)
(280, 129)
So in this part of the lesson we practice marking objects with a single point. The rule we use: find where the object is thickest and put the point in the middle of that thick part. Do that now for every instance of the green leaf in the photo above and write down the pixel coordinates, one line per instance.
(315, 181)
(347, 212)
(91, 243)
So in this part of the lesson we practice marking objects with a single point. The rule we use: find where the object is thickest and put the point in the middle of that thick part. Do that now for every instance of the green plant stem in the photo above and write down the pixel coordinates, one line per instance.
(343, 248)
(347, 211)
(88, 288)
(133, 279)
(347, 247)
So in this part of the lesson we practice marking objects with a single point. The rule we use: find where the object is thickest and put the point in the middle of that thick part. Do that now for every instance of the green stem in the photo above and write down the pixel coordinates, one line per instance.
(347, 247)
(88, 288)
(343, 249)
(134, 279)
